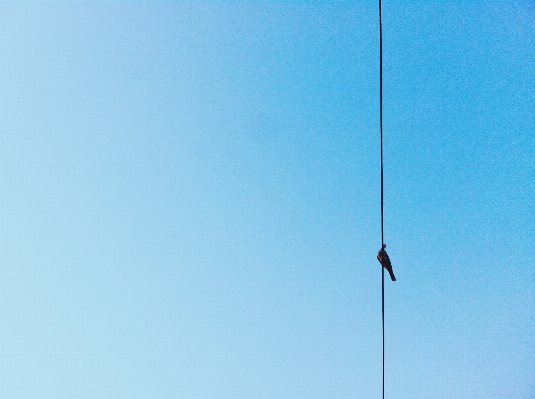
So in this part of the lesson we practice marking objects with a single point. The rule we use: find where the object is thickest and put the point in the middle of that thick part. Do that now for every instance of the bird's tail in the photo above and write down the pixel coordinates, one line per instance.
(392, 275)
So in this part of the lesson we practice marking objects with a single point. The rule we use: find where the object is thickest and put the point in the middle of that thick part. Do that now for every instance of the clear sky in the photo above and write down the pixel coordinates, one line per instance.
(190, 200)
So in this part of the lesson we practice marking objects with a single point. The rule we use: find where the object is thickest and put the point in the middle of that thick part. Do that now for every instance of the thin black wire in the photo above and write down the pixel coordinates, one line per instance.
(382, 213)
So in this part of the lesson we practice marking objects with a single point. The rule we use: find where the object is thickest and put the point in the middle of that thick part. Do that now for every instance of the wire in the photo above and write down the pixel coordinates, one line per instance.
(382, 191)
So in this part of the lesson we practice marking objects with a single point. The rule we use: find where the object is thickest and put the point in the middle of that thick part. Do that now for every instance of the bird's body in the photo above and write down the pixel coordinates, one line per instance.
(384, 259)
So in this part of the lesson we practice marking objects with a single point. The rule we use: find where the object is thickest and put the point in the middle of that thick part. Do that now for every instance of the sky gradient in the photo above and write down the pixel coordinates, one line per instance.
(190, 199)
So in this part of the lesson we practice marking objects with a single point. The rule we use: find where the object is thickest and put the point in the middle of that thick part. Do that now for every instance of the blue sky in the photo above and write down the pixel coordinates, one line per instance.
(190, 199)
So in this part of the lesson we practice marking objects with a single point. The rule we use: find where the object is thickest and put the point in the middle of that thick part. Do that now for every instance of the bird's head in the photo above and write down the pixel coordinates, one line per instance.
(384, 246)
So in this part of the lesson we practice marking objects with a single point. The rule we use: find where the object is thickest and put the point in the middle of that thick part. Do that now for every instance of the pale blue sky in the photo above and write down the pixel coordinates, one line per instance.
(190, 202)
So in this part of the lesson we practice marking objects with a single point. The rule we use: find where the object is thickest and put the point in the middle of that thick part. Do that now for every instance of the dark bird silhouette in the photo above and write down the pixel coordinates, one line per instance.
(384, 259)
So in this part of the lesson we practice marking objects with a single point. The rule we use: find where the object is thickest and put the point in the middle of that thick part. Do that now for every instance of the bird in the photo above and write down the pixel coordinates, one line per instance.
(384, 259)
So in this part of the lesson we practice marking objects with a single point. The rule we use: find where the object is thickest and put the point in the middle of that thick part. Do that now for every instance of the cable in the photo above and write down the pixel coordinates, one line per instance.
(382, 196)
